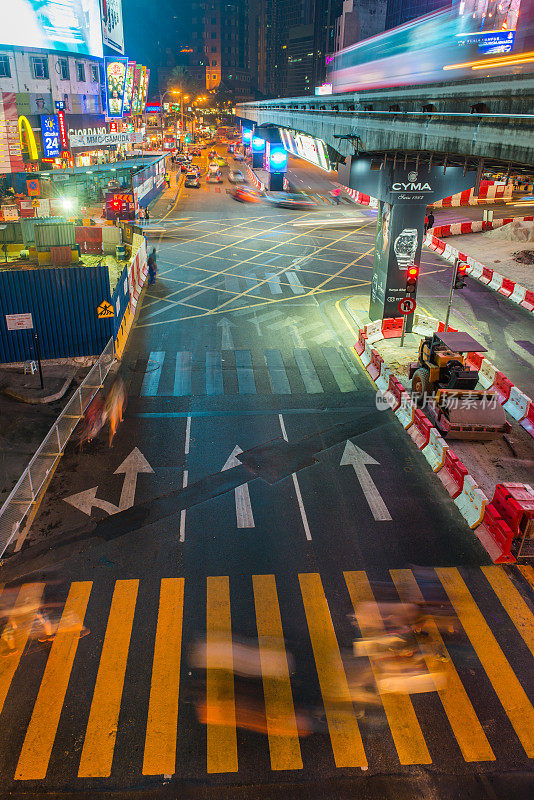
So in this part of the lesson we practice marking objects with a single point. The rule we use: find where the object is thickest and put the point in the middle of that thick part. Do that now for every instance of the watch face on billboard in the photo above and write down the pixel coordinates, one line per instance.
(64, 25)
(128, 92)
(112, 33)
(115, 85)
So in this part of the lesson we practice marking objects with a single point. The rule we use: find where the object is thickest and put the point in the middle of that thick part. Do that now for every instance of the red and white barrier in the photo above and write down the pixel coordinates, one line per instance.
(489, 192)
(137, 273)
(483, 517)
(255, 180)
(359, 197)
(493, 280)
(473, 226)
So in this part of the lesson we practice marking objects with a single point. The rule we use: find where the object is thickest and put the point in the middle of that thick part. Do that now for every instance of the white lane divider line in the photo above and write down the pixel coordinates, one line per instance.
(297, 487)
(188, 434)
(182, 512)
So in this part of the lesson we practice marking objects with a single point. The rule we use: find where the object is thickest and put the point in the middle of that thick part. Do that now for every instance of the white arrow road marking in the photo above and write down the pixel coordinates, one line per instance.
(243, 509)
(227, 342)
(359, 459)
(303, 514)
(131, 467)
(86, 500)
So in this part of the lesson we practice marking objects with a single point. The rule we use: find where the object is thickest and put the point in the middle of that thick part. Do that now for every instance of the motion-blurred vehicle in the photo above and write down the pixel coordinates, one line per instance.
(236, 176)
(184, 166)
(445, 383)
(192, 181)
(214, 177)
(444, 45)
(222, 162)
(244, 194)
(239, 157)
(291, 200)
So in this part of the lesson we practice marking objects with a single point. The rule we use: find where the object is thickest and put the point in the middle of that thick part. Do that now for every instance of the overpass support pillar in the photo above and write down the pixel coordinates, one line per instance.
(404, 186)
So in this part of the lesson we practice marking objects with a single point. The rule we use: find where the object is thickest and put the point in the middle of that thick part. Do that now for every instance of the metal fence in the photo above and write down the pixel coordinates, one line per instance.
(28, 486)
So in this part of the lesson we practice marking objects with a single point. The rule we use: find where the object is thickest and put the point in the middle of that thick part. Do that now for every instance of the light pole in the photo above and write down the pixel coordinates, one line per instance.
(161, 98)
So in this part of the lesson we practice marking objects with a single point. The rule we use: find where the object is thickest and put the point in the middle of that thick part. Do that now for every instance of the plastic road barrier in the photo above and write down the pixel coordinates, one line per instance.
(507, 287)
(395, 393)
(496, 536)
(375, 365)
(452, 474)
(366, 355)
(517, 404)
(496, 282)
(391, 327)
(528, 422)
(360, 344)
(502, 387)
(487, 373)
(436, 450)
(382, 381)
(515, 503)
(471, 502)
(374, 331)
(528, 301)
(487, 275)
(420, 430)
(424, 325)
(405, 412)
(518, 295)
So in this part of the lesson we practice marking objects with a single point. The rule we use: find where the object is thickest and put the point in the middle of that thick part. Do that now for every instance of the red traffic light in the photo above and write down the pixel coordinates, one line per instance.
(459, 278)
(462, 267)
(411, 279)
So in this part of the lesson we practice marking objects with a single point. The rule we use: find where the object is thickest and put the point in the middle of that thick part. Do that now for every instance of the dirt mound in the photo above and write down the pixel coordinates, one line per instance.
(524, 256)
(513, 232)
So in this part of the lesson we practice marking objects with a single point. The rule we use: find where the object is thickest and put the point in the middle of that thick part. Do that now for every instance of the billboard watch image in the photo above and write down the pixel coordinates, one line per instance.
(115, 85)
(112, 33)
(65, 25)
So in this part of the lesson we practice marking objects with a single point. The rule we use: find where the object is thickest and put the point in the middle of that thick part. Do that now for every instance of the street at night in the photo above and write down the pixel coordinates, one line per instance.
(277, 318)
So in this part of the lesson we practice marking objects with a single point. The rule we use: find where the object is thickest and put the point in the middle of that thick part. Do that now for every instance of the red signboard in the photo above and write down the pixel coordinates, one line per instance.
(63, 138)
(120, 205)
(113, 127)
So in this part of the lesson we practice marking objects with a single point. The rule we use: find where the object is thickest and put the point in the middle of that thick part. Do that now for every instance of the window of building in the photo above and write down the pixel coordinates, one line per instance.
(39, 67)
(80, 71)
(5, 68)
(63, 68)
(213, 49)
(213, 35)
(94, 73)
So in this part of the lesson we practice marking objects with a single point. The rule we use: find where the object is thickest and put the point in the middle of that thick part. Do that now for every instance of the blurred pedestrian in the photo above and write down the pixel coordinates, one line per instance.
(168, 179)
(115, 402)
(426, 223)
(152, 267)
(336, 195)
(431, 221)
(141, 215)
(147, 215)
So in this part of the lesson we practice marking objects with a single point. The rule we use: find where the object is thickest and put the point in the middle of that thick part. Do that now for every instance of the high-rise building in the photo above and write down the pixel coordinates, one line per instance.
(401, 11)
(359, 20)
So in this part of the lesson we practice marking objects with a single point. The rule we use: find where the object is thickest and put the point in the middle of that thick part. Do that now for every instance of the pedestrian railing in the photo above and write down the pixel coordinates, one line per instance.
(26, 490)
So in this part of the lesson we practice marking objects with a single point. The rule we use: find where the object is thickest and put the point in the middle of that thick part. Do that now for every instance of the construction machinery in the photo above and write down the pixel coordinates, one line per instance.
(444, 382)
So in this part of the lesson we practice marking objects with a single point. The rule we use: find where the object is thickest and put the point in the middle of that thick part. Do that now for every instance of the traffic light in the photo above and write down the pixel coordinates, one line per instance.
(411, 279)
(459, 278)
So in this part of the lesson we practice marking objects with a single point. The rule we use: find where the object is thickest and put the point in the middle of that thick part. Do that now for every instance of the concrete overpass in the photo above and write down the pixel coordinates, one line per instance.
(484, 118)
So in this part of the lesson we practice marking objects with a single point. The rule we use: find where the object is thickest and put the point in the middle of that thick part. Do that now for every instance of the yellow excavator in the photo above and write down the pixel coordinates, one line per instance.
(445, 385)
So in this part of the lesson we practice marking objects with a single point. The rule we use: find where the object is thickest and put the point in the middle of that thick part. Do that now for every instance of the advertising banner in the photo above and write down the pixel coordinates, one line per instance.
(135, 93)
(115, 84)
(50, 130)
(63, 138)
(142, 91)
(66, 25)
(147, 79)
(97, 139)
(128, 91)
(112, 32)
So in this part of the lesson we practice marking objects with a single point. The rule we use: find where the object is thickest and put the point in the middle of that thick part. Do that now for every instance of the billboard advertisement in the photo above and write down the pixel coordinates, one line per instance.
(128, 92)
(112, 33)
(65, 25)
(142, 89)
(115, 84)
(50, 130)
(135, 93)
(307, 147)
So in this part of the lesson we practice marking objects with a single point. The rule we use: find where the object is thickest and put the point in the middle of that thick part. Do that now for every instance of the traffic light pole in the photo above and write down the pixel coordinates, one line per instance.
(451, 293)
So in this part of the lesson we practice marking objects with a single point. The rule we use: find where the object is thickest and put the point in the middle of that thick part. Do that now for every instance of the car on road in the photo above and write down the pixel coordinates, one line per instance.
(192, 181)
(236, 176)
(184, 166)
(244, 194)
(291, 200)
(239, 157)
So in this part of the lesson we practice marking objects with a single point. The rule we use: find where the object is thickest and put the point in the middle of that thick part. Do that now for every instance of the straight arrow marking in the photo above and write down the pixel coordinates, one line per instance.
(227, 342)
(356, 457)
(131, 467)
(243, 508)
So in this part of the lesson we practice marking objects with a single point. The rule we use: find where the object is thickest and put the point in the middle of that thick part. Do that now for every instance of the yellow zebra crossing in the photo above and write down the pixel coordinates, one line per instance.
(163, 730)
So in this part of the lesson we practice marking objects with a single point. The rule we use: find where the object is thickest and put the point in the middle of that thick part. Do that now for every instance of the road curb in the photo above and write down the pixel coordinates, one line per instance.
(51, 398)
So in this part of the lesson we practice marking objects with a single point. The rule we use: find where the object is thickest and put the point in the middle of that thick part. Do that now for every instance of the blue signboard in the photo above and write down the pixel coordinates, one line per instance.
(51, 140)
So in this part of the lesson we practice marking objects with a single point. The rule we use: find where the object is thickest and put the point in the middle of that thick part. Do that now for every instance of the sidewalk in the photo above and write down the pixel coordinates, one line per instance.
(24, 422)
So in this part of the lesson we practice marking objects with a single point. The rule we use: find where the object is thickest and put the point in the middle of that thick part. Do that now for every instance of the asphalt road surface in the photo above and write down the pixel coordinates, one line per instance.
(255, 493)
